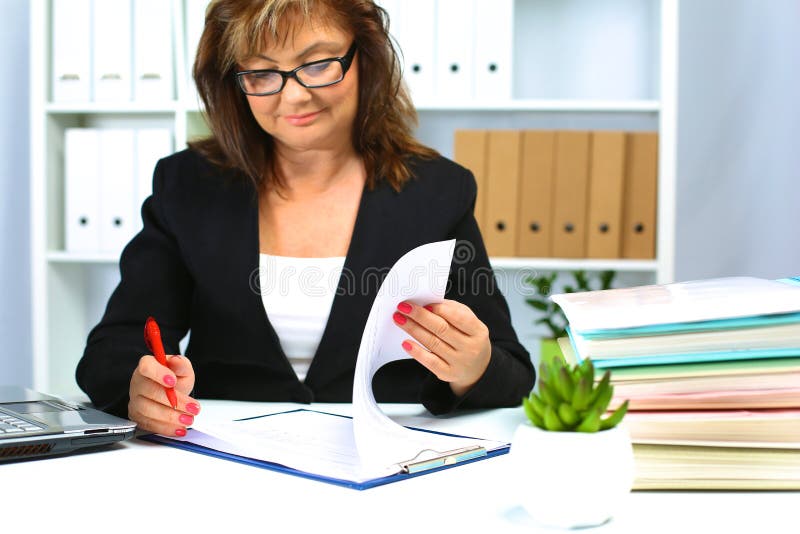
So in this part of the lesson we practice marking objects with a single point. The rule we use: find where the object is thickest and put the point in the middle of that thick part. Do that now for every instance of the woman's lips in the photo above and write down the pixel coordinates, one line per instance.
(301, 119)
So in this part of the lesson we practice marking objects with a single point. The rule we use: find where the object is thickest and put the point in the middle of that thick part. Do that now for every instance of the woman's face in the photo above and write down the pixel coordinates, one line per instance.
(299, 118)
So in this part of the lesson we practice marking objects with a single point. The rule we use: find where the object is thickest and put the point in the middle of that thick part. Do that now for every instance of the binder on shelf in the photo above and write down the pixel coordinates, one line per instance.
(604, 233)
(195, 21)
(455, 20)
(116, 188)
(152, 144)
(152, 51)
(81, 190)
(111, 50)
(535, 232)
(71, 51)
(419, 48)
(641, 191)
(469, 150)
(494, 40)
(571, 190)
(394, 9)
(502, 185)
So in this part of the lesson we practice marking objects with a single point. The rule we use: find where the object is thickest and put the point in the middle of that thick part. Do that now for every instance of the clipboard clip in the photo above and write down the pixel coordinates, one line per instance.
(440, 459)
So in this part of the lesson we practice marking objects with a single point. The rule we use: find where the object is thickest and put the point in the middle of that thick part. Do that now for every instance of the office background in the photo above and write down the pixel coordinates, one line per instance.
(737, 165)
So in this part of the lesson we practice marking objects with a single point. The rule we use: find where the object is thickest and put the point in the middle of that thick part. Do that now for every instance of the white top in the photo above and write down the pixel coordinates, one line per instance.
(297, 294)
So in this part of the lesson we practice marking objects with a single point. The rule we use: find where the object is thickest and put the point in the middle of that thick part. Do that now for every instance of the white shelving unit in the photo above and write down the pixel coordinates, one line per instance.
(69, 290)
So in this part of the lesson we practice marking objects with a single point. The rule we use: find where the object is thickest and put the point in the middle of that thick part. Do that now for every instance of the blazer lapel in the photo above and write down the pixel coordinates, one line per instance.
(365, 267)
(238, 248)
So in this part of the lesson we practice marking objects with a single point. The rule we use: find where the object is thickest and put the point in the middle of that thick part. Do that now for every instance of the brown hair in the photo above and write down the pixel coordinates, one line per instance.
(235, 30)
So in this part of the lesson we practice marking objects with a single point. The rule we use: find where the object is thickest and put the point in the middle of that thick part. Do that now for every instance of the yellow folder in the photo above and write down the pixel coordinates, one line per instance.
(534, 233)
(502, 184)
(641, 182)
(571, 191)
(606, 180)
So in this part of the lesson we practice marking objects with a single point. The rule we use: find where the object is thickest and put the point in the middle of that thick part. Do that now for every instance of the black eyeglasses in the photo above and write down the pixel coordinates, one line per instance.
(320, 73)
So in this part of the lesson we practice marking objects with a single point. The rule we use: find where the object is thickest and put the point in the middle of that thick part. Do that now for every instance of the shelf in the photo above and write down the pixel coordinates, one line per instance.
(566, 264)
(98, 258)
(111, 107)
(551, 264)
(629, 106)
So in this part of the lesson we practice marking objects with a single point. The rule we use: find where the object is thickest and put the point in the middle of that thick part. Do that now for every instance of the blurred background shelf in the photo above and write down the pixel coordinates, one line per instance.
(577, 64)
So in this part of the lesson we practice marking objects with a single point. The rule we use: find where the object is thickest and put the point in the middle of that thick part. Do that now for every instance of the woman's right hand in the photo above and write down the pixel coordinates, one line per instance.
(149, 407)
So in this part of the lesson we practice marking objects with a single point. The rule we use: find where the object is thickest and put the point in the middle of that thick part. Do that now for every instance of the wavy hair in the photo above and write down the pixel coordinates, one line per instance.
(236, 29)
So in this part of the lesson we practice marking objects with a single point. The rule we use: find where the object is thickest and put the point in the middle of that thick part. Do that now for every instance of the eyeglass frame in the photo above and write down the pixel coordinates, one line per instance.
(345, 61)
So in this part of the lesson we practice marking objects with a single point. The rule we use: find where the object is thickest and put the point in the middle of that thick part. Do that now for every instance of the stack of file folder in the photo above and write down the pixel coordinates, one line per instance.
(711, 369)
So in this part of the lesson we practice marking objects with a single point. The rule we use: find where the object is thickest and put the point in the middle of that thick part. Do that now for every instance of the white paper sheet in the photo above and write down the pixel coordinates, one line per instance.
(419, 277)
(370, 445)
(309, 441)
(701, 300)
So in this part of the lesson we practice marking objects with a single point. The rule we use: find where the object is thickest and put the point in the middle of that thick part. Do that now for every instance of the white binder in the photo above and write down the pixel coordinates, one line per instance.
(494, 40)
(81, 190)
(152, 144)
(116, 189)
(71, 51)
(455, 22)
(195, 21)
(419, 48)
(152, 51)
(394, 8)
(111, 50)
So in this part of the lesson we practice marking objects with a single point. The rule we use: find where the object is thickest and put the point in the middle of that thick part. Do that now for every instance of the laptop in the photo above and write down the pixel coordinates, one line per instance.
(34, 425)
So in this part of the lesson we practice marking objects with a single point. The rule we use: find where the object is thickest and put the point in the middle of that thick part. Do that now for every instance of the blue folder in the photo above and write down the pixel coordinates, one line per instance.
(684, 357)
(697, 326)
(192, 447)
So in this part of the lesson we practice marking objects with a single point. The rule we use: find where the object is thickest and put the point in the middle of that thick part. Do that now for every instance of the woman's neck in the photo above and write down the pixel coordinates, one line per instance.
(316, 171)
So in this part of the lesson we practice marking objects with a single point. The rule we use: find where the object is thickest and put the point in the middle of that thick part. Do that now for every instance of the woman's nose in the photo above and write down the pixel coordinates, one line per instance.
(293, 91)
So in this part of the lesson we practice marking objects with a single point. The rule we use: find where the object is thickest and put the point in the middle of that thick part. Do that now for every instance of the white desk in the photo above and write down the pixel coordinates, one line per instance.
(145, 487)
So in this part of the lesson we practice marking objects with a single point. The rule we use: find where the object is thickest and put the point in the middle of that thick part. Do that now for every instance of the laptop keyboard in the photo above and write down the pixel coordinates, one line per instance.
(14, 425)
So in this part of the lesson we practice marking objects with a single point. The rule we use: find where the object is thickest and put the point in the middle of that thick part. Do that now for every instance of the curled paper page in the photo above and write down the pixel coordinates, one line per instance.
(420, 277)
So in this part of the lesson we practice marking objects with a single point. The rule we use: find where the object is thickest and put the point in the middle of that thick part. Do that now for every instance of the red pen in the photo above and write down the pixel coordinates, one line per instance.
(152, 338)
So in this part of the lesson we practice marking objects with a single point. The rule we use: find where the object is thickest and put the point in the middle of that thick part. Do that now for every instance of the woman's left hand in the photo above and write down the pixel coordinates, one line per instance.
(456, 343)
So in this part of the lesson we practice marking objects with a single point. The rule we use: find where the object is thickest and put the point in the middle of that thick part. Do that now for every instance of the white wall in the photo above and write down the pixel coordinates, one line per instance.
(738, 198)
(15, 307)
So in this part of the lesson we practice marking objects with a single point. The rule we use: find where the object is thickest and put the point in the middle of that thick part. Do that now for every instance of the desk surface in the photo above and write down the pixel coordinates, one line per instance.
(138, 484)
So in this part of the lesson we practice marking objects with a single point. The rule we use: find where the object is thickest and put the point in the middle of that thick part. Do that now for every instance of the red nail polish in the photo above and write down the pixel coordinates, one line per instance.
(169, 380)
(399, 319)
(192, 408)
(186, 419)
(428, 307)
(406, 345)
(180, 432)
(404, 307)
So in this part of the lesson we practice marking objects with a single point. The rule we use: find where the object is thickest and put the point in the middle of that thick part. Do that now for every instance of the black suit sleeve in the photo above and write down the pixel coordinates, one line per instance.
(154, 281)
(510, 374)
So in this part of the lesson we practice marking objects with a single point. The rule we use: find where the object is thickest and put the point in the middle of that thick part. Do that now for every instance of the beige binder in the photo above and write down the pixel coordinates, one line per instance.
(469, 150)
(534, 233)
(502, 185)
(606, 179)
(641, 182)
(570, 195)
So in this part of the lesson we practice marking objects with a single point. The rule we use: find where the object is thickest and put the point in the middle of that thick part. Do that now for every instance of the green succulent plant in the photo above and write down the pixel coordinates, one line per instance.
(569, 400)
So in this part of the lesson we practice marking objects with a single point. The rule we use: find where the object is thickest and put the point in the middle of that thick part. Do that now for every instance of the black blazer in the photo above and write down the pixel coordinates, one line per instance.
(194, 267)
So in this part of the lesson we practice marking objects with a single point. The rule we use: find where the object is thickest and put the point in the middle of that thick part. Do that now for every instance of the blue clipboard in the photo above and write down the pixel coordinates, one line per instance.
(447, 461)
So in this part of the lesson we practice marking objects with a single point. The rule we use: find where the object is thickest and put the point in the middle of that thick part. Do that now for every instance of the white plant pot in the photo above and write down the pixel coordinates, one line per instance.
(571, 479)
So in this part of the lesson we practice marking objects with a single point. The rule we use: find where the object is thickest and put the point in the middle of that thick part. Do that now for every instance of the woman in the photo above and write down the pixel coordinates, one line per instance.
(311, 164)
